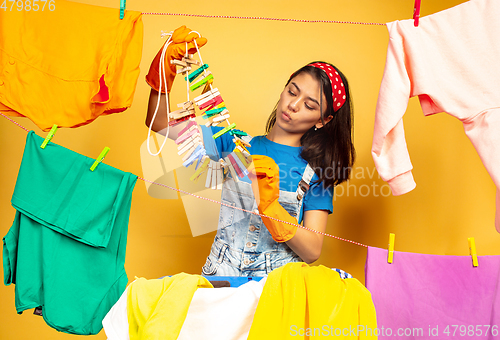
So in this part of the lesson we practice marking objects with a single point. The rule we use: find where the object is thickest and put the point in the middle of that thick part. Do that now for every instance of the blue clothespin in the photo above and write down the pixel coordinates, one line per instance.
(99, 159)
(49, 136)
(122, 8)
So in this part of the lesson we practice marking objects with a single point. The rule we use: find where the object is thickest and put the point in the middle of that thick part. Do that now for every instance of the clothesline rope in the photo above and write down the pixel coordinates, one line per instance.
(221, 203)
(266, 18)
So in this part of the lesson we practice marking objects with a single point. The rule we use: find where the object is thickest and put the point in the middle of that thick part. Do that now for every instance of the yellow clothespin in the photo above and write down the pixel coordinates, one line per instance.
(99, 159)
(390, 256)
(472, 251)
(49, 136)
(200, 170)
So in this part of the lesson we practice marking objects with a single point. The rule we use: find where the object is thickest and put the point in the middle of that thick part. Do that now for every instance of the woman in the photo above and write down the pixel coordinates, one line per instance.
(307, 150)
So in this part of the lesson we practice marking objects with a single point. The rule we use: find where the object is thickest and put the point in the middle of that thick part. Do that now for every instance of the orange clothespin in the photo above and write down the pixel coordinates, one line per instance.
(472, 251)
(416, 12)
(390, 256)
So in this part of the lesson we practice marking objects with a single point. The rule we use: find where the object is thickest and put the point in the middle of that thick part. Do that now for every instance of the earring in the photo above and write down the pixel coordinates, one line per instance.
(315, 128)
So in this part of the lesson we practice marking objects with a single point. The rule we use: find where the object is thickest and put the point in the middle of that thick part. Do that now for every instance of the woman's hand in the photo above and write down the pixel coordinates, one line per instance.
(181, 39)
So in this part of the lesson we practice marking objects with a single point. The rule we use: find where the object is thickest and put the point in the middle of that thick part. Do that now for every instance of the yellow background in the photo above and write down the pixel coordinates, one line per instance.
(251, 61)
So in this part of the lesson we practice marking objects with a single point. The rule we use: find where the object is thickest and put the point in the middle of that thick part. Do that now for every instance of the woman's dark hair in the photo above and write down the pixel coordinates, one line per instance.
(330, 149)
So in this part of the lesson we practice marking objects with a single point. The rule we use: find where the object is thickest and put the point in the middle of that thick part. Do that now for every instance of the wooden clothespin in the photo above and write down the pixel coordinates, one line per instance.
(188, 144)
(176, 115)
(178, 63)
(49, 136)
(241, 145)
(183, 70)
(191, 151)
(99, 159)
(472, 251)
(208, 181)
(237, 140)
(186, 105)
(390, 256)
(416, 12)
(217, 183)
(189, 60)
(213, 180)
(122, 8)
(220, 118)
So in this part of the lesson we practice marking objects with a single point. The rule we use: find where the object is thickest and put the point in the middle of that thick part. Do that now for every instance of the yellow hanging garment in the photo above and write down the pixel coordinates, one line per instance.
(306, 302)
(157, 308)
(67, 63)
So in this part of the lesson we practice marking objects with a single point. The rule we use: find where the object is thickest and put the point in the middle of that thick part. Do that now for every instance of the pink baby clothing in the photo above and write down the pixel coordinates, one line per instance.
(451, 62)
(421, 296)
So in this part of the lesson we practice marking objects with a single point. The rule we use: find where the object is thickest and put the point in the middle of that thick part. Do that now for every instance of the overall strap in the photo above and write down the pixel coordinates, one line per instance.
(304, 182)
(303, 187)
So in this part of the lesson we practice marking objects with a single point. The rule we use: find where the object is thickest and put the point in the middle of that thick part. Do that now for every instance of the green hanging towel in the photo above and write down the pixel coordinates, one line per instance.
(65, 251)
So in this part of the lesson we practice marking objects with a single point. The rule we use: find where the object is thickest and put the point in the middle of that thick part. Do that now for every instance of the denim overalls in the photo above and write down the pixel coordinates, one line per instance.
(243, 246)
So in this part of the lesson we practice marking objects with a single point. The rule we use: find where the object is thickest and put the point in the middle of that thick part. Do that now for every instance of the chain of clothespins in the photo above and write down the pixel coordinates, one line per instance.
(189, 140)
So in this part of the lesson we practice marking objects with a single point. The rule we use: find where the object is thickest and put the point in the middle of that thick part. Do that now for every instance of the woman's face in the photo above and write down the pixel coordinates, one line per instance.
(299, 106)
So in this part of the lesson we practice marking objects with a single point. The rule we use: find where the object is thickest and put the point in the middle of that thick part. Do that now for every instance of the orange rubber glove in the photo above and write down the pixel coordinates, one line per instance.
(265, 186)
(176, 50)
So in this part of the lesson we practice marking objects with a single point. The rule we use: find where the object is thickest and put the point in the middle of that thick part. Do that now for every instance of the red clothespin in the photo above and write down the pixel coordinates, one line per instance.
(416, 12)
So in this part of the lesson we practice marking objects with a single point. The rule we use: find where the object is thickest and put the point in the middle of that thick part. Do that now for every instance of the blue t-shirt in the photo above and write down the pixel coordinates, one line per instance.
(291, 167)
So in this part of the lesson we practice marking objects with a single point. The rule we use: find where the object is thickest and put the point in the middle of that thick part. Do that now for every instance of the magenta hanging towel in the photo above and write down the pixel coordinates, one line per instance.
(422, 296)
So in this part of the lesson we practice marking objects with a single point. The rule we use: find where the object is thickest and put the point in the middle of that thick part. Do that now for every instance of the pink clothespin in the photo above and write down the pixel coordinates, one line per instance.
(416, 12)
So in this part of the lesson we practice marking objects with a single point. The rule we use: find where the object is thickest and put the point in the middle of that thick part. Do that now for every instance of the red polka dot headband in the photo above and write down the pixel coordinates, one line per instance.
(338, 89)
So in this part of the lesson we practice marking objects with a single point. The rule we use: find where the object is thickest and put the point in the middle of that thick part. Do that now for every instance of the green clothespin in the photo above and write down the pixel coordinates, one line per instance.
(238, 133)
(49, 136)
(224, 130)
(201, 82)
(192, 76)
(99, 159)
(122, 8)
(213, 112)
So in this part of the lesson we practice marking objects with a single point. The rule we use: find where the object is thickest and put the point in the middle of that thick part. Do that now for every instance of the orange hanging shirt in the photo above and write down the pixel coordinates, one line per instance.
(69, 63)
